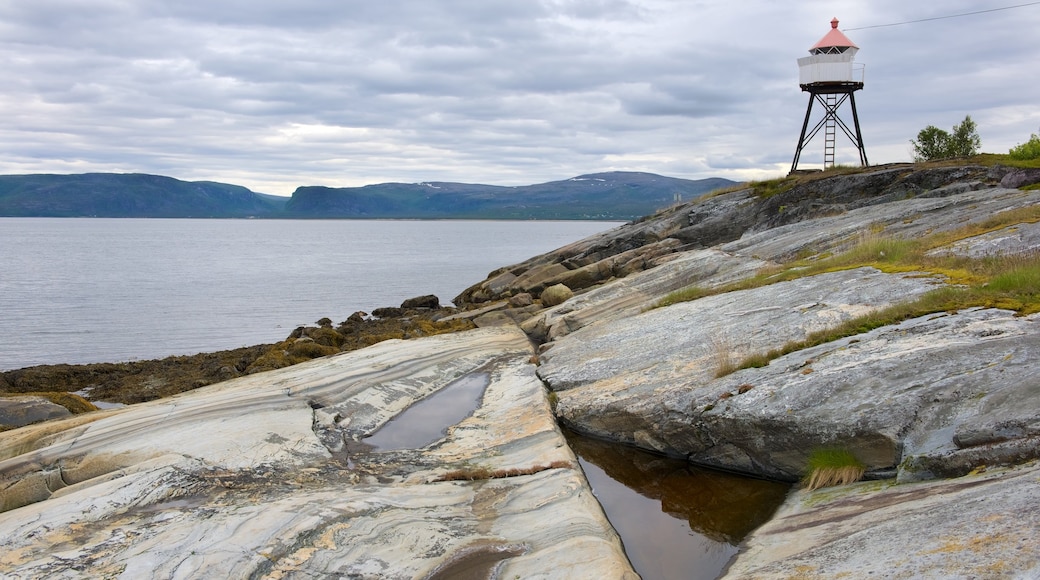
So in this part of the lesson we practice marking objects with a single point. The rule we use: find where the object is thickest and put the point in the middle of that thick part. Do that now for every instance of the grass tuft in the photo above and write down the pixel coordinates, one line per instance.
(687, 294)
(770, 187)
(722, 354)
(831, 467)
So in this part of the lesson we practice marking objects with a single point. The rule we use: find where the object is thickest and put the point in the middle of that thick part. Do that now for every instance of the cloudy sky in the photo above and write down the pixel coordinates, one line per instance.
(274, 94)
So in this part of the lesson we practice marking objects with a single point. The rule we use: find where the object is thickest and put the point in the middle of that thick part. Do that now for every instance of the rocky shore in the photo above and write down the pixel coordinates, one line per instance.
(890, 313)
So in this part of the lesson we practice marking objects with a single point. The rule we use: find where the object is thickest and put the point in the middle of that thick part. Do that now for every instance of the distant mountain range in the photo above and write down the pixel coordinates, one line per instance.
(599, 196)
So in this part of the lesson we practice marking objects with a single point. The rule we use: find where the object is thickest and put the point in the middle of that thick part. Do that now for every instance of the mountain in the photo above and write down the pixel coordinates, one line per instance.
(603, 196)
(607, 196)
(129, 195)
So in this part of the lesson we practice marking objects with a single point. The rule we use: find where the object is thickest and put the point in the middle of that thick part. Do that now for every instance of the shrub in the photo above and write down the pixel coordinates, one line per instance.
(830, 467)
(1028, 150)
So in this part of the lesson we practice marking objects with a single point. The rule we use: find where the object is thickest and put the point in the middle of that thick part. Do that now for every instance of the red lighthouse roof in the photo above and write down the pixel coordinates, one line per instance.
(833, 39)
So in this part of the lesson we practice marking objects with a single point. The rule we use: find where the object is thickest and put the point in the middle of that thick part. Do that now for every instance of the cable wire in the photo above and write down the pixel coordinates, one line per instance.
(943, 17)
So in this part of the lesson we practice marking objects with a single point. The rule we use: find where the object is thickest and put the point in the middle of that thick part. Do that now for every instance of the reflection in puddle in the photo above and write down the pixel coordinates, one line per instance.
(675, 520)
(428, 420)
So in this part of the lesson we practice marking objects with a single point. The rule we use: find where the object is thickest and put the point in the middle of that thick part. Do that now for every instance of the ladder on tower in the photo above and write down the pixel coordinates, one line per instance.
(830, 130)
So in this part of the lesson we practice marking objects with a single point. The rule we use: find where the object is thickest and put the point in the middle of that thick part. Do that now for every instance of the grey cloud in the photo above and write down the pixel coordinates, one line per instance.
(274, 94)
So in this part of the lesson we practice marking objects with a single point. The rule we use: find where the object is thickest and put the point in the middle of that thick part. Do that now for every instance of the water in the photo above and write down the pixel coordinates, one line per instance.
(106, 290)
(676, 521)
(428, 420)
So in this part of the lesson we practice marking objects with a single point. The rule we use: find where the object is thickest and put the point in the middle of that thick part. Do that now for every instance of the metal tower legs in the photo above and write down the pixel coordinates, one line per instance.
(830, 121)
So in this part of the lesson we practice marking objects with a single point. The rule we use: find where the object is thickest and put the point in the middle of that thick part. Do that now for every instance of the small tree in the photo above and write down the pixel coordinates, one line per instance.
(933, 143)
(965, 141)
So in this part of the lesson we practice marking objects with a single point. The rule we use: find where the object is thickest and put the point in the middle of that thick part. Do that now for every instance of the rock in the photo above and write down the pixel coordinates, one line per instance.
(428, 301)
(268, 475)
(536, 279)
(388, 312)
(1020, 239)
(557, 294)
(1018, 178)
(886, 395)
(620, 379)
(497, 318)
(906, 218)
(977, 526)
(632, 295)
(856, 395)
(18, 411)
(521, 300)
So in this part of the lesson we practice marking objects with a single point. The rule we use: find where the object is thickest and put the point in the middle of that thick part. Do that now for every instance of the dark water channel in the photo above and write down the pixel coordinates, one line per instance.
(675, 520)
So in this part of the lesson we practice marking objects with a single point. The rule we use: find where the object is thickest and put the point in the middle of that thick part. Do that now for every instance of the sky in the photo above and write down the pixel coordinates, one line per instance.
(276, 94)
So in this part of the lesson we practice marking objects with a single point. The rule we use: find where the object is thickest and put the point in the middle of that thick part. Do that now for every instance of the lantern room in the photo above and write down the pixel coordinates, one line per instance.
(830, 60)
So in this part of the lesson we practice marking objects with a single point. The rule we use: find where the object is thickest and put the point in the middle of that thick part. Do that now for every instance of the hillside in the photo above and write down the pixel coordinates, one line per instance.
(128, 195)
(602, 196)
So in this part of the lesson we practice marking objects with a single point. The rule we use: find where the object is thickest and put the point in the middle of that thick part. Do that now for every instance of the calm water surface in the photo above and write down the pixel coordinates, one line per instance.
(677, 521)
(106, 290)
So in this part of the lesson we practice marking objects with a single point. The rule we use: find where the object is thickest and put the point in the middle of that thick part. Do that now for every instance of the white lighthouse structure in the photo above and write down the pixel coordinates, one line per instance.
(831, 78)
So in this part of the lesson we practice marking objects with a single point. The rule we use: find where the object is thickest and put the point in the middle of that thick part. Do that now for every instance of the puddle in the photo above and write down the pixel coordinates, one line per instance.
(675, 520)
(428, 420)
(85, 393)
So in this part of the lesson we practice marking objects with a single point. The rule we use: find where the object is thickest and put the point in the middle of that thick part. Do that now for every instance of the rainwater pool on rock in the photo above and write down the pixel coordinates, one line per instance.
(427, 420)
(675, 520)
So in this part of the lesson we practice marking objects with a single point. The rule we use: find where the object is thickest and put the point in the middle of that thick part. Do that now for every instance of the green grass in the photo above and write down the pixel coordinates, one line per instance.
(830, 467)
(687, 294)
(770, 187)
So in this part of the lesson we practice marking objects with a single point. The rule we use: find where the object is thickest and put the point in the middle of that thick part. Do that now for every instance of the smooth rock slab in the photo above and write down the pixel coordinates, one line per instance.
(1012, 240)
(932, 397)
(18, 411)
(268, 476)
(977, 526)
(935, 396)
(631, 295)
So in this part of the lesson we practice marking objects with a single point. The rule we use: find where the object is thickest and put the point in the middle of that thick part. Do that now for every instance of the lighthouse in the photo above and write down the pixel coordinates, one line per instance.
(831, 78)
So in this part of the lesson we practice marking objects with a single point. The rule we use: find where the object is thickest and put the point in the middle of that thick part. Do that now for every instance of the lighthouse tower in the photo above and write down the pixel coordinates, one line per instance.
(831, 78)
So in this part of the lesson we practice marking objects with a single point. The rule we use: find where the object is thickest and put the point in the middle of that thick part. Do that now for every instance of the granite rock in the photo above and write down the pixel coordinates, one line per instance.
(18, 411)
(269, 475)
(982, 525)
